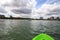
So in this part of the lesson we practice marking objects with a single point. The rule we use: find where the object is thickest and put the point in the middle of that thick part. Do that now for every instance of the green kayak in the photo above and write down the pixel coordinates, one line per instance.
(43, 37)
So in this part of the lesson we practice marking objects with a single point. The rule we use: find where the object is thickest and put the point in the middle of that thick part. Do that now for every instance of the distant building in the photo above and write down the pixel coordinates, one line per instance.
(41, 18)
(48, 18)
(11, 16)
(57, 18)
(51, 18)
(2, 16)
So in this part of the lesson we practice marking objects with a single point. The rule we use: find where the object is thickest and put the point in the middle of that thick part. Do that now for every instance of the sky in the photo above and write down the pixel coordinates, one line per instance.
(30, 8)
(39, 3)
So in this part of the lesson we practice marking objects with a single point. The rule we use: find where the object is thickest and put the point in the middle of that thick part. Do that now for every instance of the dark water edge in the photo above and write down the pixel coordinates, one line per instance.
(27, 29)
(30, 19)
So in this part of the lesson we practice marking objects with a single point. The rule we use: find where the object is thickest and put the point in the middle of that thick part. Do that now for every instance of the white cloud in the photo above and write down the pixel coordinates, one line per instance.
(4, 1)
(9, 5)
(49, 8)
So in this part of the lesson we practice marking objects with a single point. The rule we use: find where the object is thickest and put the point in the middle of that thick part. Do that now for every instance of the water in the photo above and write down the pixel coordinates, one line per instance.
(27, 29)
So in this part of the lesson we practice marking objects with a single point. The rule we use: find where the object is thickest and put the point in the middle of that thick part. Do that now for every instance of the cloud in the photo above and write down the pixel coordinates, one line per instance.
(18, 7)
(16, 3)
(52, 1)
(4, 1)
(22, 11)
(2, 10)
(27, 8)
(55, 11)
(50, 8)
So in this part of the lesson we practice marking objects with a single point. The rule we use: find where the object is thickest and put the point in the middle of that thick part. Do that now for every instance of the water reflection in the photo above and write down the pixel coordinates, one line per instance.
(27, 29)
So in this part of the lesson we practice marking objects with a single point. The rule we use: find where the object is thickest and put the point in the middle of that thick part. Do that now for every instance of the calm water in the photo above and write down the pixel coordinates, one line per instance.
(27, 29)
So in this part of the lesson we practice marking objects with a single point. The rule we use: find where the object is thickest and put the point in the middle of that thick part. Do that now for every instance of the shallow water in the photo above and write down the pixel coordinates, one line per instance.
(27, 29)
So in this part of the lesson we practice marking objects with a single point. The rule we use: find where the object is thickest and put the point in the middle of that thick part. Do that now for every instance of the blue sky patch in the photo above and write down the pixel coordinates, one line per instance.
(39, 3)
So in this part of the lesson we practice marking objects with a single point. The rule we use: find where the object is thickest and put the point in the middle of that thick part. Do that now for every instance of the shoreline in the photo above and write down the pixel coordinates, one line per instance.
(31, 19)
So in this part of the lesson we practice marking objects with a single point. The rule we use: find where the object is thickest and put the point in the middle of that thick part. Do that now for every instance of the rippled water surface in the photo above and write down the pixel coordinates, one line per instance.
(27, 29)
